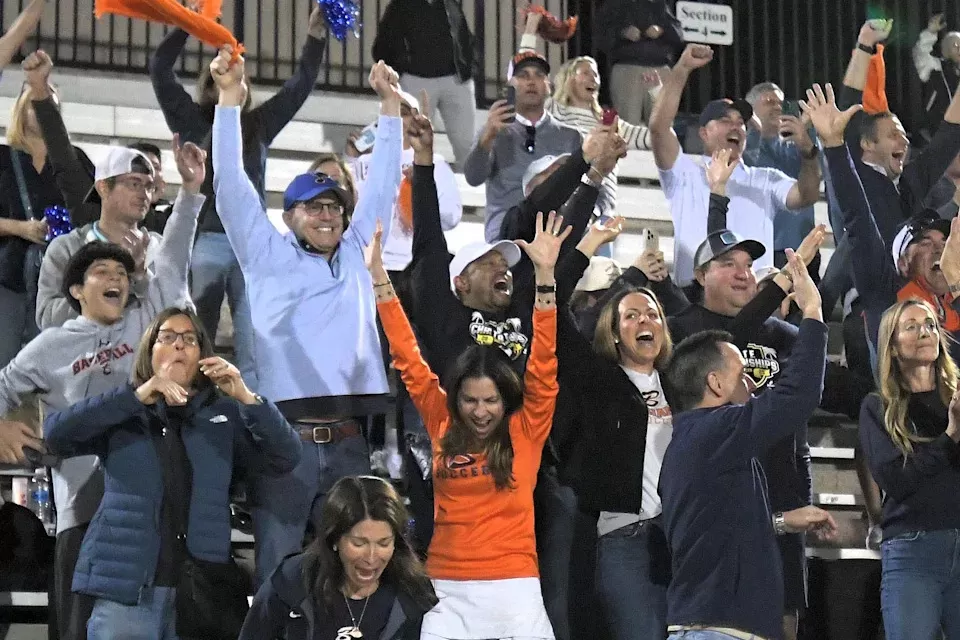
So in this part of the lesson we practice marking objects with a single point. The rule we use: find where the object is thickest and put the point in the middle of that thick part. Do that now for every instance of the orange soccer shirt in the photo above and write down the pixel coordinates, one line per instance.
(481, 533)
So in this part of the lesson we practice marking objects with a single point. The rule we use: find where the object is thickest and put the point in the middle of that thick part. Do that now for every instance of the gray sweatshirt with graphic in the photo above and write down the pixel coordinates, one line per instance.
(82, 358)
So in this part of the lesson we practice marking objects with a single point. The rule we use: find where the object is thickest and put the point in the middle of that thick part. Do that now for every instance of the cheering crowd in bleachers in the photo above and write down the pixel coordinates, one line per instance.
(537, 385)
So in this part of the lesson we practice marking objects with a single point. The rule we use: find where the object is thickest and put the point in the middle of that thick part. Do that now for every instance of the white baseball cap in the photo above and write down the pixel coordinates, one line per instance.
(537, 167)
(600, 275)
(117, 162)
(475, 250)
(412, 102)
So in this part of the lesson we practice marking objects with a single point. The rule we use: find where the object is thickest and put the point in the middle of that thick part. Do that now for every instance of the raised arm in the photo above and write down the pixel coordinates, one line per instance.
(380, 189)
(421, 382)
(448, 195)
(284, 104)
(923, 58)
(540, 378)
(18, 32)
(170, 285)
(663, 139)
(71, 173)
(927, 167)
(254, 239)
(874, 274)
(481, 163)
(855, 78)
(767, 419)
(183, 115)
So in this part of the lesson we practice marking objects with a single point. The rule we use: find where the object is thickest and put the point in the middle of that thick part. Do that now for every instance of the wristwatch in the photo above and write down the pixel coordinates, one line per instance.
(867, 49)
(779, 524)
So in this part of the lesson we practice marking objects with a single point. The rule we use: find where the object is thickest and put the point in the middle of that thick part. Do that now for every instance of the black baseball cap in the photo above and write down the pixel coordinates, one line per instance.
(717, 109)
(722, 241)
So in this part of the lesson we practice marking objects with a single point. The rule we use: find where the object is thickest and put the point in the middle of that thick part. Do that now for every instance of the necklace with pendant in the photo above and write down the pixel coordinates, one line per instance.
(349, 633)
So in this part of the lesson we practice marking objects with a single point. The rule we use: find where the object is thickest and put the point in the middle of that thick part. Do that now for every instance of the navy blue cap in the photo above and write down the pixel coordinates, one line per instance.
(308, 186)
(717, 109)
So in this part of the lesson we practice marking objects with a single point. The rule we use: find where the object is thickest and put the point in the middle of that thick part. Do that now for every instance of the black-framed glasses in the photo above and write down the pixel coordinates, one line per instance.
(530, 144)
(314, 207)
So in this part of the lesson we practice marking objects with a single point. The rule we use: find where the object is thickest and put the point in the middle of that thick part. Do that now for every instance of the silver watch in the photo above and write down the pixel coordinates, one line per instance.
(779, 524)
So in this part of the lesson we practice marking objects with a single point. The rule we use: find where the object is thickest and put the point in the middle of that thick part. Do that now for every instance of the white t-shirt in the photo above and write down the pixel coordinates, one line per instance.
(756, 193)
(398, 244)
(659, 433)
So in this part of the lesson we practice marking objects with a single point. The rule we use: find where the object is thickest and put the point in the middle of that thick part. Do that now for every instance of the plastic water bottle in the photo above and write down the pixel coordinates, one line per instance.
(40, 500)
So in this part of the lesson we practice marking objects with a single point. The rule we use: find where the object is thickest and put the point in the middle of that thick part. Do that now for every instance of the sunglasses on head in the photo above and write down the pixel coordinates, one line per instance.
(530, 144)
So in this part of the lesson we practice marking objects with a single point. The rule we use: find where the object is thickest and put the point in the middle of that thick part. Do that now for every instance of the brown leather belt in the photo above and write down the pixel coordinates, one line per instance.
(329, 432)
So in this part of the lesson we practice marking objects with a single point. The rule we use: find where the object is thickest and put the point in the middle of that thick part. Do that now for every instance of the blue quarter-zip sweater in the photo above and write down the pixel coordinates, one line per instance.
(314, 322)
(119, 553)
(716, 513)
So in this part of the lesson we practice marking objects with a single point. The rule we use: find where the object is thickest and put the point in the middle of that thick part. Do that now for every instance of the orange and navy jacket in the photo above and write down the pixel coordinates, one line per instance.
(480, 532)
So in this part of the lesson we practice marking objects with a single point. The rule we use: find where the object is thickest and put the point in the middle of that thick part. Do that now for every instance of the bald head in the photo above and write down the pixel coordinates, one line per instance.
(950, 46)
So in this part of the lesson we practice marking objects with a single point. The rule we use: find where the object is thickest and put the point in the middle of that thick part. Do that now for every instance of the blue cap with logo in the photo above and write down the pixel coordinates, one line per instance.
(308, 186)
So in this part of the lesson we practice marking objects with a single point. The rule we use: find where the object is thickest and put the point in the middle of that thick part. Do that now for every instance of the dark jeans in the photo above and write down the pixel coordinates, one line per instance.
(920, 587)
(71, 611)
(282, 506)
(633, 570)
(555, 510)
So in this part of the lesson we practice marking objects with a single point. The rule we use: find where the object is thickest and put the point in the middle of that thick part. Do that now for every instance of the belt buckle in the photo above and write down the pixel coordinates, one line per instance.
(322, 435)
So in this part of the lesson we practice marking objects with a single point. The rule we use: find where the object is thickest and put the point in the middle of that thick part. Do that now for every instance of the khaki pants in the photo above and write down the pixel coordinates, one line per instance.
(632, 96)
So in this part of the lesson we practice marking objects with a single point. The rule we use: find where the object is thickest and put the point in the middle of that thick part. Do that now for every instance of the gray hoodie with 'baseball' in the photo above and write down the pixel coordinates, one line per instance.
(82, 358)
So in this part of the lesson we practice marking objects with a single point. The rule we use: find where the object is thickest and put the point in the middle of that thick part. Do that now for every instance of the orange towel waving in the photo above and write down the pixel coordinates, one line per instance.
(405, 205)
(200, 24)
(875, 90)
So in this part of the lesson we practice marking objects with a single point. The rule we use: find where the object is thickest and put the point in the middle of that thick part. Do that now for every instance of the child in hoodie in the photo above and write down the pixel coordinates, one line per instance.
(90, 355)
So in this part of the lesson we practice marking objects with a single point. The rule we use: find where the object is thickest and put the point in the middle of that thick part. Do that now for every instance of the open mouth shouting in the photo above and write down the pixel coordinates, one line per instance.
(502, 285)
(113, 296)
(645, 336)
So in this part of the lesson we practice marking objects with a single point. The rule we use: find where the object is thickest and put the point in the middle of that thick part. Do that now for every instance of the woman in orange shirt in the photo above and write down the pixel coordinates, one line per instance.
(488, 429)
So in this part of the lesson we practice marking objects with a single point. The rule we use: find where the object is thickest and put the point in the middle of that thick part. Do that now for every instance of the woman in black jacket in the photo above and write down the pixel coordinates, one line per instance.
(625, 436)
(360, 577)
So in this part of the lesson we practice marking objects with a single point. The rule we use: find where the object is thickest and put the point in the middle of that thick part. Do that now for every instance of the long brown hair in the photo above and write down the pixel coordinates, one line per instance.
(484, 362)
(608, 329)
(894, 391)
(352, 500)
(143, 364)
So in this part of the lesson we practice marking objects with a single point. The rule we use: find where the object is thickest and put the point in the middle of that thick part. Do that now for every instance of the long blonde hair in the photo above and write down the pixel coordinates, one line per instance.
(561, 83)
(894, 392)
(17, 134)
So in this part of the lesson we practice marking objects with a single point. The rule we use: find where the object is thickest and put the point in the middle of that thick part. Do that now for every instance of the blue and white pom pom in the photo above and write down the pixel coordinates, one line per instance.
(342, 16)
(58, 221)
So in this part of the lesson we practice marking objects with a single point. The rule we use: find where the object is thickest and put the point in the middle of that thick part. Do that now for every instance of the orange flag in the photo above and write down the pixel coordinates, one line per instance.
(201, 24)
(875, 90)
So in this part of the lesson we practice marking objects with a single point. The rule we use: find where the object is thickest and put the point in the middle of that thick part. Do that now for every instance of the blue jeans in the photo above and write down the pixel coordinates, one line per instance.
(153, 618)
(555, 510)
(702, 635)
(215, 272)
(920, 586)
(283, 506)
(633, 570)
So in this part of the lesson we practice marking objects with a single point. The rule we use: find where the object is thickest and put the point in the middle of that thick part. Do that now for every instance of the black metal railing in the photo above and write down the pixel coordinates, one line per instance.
(792, 42)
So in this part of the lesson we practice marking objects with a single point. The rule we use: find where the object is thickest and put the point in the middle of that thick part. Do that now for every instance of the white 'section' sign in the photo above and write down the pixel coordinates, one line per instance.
(706, 23)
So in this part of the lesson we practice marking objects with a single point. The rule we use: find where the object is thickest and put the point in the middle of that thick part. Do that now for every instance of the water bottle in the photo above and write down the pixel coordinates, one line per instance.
(40, 492)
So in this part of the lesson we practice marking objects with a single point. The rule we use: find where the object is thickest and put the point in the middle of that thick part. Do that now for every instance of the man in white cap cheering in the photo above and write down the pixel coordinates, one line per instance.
(123, 188)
